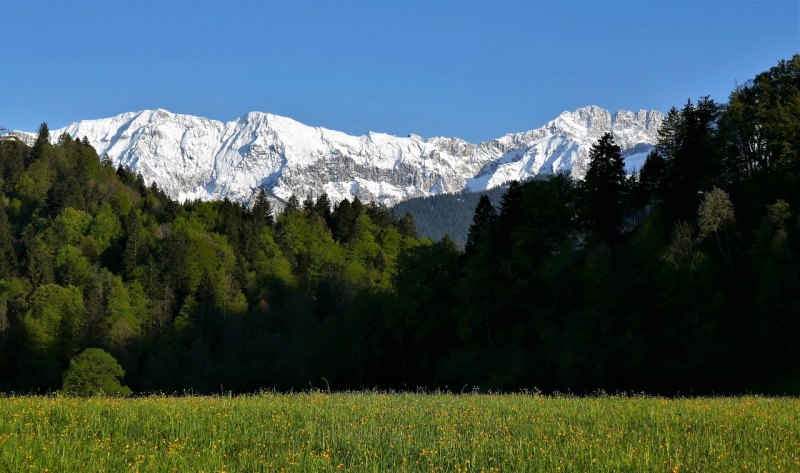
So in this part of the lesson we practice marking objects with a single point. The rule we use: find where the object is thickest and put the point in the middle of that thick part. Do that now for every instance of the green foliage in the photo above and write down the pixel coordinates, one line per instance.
(94, 373)
(314, 252)
(762, 121)
(55, 318)
(72, 268)
(105, 228)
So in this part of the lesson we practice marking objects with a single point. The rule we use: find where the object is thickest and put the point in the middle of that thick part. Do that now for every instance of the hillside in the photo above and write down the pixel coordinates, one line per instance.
(446, 214)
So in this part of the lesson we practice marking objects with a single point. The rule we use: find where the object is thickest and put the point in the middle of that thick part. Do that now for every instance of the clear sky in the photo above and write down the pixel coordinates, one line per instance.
(475, 70)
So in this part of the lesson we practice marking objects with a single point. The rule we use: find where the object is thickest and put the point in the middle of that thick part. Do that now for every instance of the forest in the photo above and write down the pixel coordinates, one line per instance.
(446, 214)
(682, 278)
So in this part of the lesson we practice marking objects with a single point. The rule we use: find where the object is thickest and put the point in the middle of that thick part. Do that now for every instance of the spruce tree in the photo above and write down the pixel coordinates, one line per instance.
(262, 210)
(41, 144)
(688, 143)
(483, 224)
(323, 208)
(510, 215)
(651, 177)
(604, 188)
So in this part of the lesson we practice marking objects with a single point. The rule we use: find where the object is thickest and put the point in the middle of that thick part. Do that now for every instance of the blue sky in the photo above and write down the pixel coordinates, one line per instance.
(471, 69)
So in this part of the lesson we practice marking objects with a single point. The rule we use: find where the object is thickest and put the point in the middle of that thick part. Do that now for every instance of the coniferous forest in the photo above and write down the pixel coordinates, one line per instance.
(446, 214)
(682, 278)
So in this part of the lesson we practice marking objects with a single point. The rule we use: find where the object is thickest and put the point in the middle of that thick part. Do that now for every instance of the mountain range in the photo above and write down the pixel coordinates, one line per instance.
(191, 157)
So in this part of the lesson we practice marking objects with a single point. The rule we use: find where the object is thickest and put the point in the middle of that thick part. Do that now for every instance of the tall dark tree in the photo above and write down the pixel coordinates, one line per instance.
(262, 210)
(8, 257)
(651, 177)
(41, 144)
(511, 211)
(483, 224)
(604, 188)
(688, 144)
(344, 219)
(323, 208)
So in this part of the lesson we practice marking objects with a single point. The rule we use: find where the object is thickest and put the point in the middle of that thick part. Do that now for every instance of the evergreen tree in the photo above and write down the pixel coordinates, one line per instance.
(510, 216)
(323, 208)
(604, 188)
(262, 210)
(41, 144)
(308, 205)
(483, 224)
(344, 219)
(292, 205)
(8, 256)
(651, 177)
(688, 144)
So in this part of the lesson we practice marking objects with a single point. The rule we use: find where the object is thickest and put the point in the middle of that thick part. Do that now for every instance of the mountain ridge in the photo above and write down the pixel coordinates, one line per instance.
(193, 157)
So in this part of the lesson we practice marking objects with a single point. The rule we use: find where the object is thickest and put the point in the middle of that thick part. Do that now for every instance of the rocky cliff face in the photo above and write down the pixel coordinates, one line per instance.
(198, 158)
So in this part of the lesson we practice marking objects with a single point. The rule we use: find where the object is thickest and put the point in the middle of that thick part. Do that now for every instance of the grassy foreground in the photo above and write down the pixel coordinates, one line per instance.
(399, 432)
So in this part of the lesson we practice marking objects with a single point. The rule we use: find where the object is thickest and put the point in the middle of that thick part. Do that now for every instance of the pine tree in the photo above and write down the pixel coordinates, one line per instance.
(604, 188)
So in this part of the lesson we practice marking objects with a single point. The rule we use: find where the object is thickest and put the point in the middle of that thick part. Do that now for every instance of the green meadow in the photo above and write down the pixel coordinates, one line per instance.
(399, 432)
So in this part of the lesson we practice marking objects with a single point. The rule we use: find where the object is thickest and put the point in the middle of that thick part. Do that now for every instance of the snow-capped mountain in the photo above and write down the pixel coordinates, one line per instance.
(198, 158)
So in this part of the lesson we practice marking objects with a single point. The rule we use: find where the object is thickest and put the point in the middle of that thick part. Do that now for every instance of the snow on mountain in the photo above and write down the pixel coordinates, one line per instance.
(198, 158)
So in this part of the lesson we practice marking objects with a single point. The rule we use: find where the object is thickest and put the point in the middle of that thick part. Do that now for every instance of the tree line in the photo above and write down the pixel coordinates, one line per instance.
(680, 278)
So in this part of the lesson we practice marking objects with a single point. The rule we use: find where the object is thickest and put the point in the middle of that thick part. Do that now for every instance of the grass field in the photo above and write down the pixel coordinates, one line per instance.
(398, 432)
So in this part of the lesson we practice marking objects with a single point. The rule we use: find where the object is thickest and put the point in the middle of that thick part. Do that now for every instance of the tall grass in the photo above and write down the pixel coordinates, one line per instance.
(398, 432)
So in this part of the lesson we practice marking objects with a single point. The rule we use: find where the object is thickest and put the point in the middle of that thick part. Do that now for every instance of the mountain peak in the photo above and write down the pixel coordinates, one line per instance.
(588, 109)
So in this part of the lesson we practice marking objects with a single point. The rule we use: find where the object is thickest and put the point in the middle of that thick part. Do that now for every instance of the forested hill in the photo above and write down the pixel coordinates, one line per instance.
(446, 214)
(682, 279)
